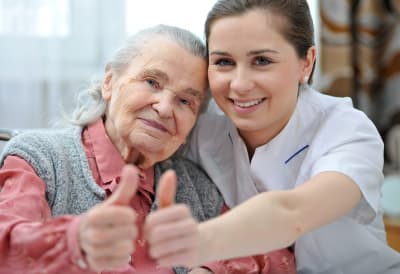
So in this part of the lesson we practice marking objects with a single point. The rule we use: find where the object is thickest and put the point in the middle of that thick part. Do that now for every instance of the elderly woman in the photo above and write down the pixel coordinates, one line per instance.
(60, 208)
(52, 215)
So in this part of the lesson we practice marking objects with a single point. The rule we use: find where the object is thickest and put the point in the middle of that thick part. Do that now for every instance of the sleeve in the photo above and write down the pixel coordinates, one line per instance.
(350, 144)
(276, 262)
(31, 241)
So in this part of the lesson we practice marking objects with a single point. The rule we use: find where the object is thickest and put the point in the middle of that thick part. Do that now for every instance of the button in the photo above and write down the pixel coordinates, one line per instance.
(82, 264)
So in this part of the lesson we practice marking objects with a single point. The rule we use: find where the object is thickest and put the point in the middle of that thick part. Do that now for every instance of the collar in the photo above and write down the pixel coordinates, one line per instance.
(109, 161)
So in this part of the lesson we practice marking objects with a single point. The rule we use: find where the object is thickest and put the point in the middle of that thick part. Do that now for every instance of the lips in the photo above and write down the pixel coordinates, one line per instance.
(247, 103)
(156, 125)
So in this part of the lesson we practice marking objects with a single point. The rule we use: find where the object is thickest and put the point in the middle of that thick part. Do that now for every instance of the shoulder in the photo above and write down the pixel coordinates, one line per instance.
(211, 120)
(335, 115)
(194, 187)
(184, 166)
(40, 144)
(42, 138)
(322, 104)
(210, 131)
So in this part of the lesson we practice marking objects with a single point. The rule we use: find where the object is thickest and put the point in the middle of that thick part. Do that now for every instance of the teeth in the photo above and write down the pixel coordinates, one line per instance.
(248, 104)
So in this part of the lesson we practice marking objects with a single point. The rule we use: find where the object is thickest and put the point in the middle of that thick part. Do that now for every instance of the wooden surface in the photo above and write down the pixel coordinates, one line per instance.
(392, 225)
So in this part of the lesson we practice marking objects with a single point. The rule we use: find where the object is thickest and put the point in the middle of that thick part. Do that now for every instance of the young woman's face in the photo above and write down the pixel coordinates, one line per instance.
(254, 74)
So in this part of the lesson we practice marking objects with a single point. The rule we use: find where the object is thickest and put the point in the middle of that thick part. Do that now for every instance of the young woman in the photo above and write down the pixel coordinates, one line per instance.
(307, 165)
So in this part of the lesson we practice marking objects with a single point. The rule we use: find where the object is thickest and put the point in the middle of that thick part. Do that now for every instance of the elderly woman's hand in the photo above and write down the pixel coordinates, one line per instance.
(171, 231)
(107, 232)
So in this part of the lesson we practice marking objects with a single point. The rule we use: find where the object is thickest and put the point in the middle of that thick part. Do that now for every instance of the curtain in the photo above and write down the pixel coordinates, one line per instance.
(48, 51)
(360, 43)
(360, 58)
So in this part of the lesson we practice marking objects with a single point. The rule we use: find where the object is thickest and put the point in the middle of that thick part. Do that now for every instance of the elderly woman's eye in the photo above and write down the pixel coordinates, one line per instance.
(153, 83)
(184, 101)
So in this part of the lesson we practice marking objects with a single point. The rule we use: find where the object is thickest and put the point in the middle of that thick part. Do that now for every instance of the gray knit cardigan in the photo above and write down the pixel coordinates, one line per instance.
(59, 159)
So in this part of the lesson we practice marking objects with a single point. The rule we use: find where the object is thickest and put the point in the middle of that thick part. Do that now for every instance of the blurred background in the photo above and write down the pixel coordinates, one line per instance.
(50, 49)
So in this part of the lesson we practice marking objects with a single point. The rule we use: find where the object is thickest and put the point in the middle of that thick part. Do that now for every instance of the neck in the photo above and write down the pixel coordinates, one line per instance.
(128, 153)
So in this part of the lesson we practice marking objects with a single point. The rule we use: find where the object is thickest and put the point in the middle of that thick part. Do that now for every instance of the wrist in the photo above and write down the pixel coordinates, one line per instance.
(77, 254)
(208, 245)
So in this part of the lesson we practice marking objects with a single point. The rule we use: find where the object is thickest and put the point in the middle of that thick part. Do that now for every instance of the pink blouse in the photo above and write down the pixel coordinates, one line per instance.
(32, 241)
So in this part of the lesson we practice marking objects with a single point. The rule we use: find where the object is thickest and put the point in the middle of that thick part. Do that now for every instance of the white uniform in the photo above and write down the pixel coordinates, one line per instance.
(325, 133)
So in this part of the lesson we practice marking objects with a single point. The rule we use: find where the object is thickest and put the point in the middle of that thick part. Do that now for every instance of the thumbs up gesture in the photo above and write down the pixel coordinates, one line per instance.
(107, 232)
(171, 231)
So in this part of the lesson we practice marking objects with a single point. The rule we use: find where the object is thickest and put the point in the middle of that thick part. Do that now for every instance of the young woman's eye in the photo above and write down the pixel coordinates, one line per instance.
(261, 60)
(224, 62)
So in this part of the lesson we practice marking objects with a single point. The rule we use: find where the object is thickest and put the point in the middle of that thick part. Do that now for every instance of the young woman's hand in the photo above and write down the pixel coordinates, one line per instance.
(171, 231)
(107, 232)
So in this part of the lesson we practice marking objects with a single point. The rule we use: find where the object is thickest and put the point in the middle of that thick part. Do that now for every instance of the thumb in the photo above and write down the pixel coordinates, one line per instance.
(166, 189)
(126, 188)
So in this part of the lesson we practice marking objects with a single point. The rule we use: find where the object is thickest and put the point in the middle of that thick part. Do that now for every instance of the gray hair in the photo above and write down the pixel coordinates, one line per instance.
(90, 104)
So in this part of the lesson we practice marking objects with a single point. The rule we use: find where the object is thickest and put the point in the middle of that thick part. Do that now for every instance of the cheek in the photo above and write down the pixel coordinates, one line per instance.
(218, 82)
(185, 123)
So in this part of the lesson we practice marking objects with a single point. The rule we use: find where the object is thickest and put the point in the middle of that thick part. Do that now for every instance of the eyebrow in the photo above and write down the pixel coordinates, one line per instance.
(156, 72)
(253, 52)
(164, 76)
(195, 93)
(260, 51)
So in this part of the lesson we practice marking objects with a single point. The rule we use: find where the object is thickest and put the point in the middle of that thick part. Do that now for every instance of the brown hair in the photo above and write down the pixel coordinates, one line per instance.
(298, 30)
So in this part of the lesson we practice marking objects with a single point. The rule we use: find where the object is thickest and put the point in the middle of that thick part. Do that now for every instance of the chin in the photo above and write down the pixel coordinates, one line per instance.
(151, 157)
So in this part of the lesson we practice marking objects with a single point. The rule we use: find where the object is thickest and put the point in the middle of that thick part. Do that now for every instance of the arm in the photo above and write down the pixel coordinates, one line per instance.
(32, 241)
(279, 262)
(266, 222)
(273, 220)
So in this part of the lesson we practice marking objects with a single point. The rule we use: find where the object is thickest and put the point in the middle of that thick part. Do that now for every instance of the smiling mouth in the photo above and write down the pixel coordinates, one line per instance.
(155, 125)
(248, 104)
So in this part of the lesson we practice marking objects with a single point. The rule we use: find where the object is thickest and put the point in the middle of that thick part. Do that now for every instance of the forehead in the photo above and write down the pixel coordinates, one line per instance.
(255, 26)
(181, 67)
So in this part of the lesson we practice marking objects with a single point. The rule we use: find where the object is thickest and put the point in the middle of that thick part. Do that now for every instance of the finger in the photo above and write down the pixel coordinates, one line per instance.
(167, 189)
(168, 215)
(108, 263)
(118, 249)
(175, 246)
(126, 188)
(106, 216)
(107, 237)
(169, 232)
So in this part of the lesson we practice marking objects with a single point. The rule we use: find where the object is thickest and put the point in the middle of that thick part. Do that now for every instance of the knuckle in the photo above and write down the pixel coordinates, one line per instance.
(91, 216)
(183, 209)
(152, 252)
(94, 236)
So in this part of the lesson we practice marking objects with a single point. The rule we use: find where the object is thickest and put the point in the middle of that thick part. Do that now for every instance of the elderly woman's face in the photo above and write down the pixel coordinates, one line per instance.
(154, 104)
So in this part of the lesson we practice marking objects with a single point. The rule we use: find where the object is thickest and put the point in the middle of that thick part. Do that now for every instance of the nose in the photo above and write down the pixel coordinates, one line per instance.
(165, 104)
(241, 81)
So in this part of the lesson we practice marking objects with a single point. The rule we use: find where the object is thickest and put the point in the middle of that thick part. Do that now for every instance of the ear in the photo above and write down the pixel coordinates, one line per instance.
(308, 64)
(106, 86)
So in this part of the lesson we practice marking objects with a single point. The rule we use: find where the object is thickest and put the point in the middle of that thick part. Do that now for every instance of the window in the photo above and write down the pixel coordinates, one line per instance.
(40, 18)
(189, 14)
